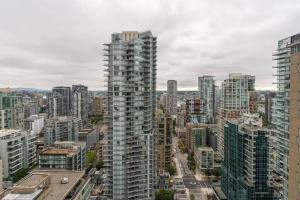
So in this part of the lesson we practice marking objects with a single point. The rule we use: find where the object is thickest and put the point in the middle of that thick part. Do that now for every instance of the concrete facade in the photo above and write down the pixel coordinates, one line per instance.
(17, 150)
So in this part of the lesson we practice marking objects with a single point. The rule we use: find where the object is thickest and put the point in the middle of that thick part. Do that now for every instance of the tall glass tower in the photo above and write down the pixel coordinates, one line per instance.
(129, 150)
(206, 88)
(248, 165)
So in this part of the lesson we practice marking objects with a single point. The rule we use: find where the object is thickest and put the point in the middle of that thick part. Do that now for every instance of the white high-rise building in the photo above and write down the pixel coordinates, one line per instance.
(128, 155)
(234, 101)
(17, 150)
(172, 97)
(206, 88)
(80, 102)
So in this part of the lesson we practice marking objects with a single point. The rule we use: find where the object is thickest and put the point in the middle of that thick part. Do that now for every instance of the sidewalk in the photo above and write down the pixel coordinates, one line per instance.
(179, 172)
(198, 175)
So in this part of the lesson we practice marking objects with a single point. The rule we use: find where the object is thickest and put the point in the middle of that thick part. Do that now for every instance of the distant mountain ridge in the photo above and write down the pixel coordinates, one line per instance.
(29, 89)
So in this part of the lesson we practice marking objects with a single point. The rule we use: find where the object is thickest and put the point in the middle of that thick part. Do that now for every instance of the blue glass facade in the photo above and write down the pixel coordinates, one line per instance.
(246, 169)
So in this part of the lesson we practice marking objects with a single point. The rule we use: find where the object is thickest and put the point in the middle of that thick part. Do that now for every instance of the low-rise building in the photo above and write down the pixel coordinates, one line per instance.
(163, 180)
(17, 150)
(63, 155)
(204, 157)
(51, 185)
(180, 191)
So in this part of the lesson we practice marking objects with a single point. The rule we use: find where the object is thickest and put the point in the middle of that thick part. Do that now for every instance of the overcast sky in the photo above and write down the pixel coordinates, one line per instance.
(44, 43)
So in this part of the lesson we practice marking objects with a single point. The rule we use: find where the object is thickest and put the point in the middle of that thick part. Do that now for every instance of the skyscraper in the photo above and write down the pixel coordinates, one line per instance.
(286, 114)
(129, 152)
(206, 88)
(269, 105)
(172, 97)
(60, 102)
(11, 110)
(195, 110)
(248, 166)
(163, 138)
(234, 100)
(80, 102)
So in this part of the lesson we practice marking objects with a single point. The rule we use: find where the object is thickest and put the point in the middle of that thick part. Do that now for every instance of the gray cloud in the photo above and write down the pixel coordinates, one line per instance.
(54, 42)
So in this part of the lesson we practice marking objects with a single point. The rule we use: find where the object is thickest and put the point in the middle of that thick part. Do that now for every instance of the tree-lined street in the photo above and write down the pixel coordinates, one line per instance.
(193, 183)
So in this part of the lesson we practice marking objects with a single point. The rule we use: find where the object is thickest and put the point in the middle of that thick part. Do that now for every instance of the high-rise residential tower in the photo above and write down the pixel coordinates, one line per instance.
(80, 102)
(286, 117)
(164, 132)
(206, 88)
(11, 110)
(269, 105)
(60, 102)
(128, 156)
(172, 97)
(234, 101)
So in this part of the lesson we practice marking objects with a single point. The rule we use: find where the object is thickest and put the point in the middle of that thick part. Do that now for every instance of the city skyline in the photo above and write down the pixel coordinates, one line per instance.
(64, 47)
(149, 100)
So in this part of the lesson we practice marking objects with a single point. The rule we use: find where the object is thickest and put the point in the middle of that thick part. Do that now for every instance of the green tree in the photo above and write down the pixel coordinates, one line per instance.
(162, 108)
(190, 157)
(173, 126)
(181, 146)
(20, 174)
(191, 162)
(95, 119)
(172, 170)
(207, 172)
(164, 195)
(99, 164)
(90, 157)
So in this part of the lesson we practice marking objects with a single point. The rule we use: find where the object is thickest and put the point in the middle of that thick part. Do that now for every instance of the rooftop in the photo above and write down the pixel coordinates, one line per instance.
(7, 132)
(34, 117)
(249, 121)
(86, 131)
(57, 152)
(54, 190)
(62, 118)
(205, 149)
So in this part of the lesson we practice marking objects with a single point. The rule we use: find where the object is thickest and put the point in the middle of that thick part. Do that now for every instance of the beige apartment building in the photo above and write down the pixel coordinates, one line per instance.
(164, 132)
